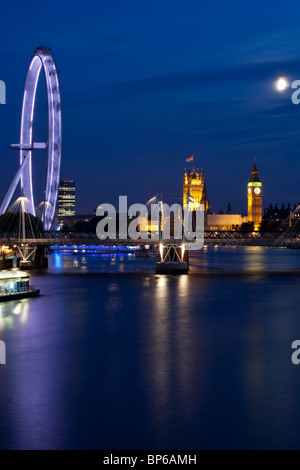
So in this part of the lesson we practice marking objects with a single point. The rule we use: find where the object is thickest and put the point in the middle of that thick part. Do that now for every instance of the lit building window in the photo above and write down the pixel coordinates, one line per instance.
(66, 200)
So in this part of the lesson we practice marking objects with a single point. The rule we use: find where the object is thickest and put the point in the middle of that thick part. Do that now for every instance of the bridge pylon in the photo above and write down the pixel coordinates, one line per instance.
(173, 256)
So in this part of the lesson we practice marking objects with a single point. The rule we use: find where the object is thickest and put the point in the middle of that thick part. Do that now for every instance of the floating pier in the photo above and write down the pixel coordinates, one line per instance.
(173, 259)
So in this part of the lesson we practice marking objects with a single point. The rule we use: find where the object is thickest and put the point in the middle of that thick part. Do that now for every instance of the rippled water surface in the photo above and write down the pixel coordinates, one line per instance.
(113, 356)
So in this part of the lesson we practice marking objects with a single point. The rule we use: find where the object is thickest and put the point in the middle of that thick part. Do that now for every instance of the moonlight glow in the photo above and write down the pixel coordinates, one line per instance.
(281, 84)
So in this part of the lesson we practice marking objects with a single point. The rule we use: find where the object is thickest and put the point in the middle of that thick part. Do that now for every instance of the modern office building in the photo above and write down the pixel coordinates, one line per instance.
(66, 201)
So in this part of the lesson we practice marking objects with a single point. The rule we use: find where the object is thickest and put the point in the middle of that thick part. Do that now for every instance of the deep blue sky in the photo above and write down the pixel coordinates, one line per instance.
(147, 83)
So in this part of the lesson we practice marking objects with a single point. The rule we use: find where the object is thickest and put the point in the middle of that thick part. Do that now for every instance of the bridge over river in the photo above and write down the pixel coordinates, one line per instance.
(60, 238)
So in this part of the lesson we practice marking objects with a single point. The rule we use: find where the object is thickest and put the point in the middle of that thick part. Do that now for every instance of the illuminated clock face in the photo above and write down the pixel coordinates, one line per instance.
(249, 190)
(257, 190)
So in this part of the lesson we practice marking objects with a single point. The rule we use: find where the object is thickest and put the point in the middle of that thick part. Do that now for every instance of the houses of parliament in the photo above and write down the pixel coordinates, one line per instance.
(194, 185)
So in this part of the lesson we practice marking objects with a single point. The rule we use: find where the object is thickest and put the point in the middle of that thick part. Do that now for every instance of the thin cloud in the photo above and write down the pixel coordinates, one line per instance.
(184, 80)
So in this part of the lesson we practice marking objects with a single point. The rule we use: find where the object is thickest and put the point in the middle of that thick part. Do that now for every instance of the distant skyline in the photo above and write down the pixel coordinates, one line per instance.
(147, 84)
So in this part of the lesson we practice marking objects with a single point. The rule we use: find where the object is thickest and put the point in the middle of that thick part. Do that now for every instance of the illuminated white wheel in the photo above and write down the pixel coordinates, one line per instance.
(42, 58)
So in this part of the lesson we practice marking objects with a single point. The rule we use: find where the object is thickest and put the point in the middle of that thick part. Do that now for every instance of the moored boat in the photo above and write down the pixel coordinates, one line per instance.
(14, 284)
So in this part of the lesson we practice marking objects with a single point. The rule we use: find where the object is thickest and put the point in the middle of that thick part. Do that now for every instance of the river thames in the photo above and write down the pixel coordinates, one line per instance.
(113, 356)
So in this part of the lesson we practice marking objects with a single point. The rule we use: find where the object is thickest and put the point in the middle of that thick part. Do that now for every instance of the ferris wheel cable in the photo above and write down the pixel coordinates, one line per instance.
(13, 186)
(6, 221)
(30, 227)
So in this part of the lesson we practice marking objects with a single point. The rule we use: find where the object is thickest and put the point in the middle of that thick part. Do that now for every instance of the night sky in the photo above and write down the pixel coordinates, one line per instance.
(145, 84)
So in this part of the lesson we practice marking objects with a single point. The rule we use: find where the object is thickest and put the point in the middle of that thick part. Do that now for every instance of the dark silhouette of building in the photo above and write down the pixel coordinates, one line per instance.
(229, 210)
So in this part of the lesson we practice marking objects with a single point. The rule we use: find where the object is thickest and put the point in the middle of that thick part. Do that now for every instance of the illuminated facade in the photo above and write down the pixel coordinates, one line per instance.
(66, 200)
(254, 193)
(194, 183)
(225, 222)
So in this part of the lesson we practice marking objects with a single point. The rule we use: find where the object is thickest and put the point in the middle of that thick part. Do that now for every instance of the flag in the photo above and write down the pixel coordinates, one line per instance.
(191, 159)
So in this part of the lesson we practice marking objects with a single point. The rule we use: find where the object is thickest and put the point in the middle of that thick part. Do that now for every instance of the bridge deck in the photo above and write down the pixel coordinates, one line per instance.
(55, 238)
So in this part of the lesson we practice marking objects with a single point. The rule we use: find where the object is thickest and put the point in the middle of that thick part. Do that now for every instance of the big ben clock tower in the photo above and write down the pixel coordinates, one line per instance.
(254, 190)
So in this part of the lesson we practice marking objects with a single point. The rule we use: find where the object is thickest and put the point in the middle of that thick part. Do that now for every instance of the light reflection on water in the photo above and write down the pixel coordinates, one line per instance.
(117, 357)
(247, 259)
(109, 262)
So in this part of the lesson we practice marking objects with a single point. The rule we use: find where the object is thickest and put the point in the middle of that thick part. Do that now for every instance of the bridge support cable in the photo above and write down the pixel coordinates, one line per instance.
(13, 186)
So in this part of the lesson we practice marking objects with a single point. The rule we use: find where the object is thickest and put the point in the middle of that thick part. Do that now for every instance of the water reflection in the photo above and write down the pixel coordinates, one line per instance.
(22, 309)
(99, 262)
(6, 320)
(254, 259)
(177, 354)
(246, 259)
(267, 361)
(118, 357)
(9, 309)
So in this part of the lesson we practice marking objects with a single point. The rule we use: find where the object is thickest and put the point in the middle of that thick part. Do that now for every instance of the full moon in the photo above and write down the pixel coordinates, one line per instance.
(281, 84)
